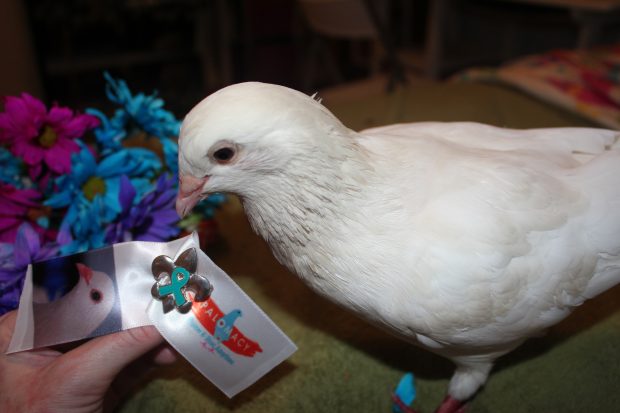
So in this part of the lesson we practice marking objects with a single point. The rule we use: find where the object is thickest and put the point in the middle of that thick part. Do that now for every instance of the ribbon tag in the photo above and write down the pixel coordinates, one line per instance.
(215, 326)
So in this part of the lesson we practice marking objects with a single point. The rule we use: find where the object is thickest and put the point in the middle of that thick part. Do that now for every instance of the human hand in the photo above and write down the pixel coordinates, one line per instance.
(46, 380)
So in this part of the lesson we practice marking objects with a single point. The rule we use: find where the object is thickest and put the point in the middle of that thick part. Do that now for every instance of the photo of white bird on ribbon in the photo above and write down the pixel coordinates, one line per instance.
(173, 286)
(462, 238)
(90, 308)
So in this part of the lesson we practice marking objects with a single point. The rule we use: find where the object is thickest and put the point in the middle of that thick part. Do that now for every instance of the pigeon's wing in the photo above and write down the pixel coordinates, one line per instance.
(566, 144)
(502, 233)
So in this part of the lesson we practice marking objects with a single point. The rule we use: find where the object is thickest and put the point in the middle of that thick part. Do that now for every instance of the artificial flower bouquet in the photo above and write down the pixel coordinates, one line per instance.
(70, 181)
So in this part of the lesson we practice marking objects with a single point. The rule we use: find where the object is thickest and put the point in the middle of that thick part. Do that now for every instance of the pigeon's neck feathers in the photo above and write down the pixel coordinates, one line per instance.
(296, 208)
(315, 183)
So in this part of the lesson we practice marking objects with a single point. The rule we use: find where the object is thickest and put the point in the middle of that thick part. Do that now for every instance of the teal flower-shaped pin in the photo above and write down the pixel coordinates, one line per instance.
(175, 279)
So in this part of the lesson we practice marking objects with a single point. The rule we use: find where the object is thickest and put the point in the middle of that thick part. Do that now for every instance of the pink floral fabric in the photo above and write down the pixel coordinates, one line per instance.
(586, 82)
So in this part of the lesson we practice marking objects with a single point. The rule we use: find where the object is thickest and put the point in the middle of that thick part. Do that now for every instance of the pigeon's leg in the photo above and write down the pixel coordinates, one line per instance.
(451, 405)
(471, 373)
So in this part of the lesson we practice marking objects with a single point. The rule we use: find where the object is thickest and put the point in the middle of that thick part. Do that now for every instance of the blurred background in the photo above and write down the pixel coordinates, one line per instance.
(189, 48)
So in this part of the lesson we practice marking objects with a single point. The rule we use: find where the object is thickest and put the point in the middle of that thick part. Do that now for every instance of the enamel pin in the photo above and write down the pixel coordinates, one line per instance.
(175, 279)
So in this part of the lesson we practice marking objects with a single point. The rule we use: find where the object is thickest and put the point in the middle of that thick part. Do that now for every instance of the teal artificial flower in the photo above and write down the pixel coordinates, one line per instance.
(202, 213)
(10, 168)
(137, 113)
(207, 207)
(90, 192)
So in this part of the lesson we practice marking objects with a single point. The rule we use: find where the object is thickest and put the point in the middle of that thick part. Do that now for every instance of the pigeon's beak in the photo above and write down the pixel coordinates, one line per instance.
(85, 272)
(190, 192)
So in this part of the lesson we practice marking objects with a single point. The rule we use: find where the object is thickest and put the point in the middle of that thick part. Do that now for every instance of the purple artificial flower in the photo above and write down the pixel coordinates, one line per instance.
(14, 260)
(153, 218)
(40, 137)
(11, 279)
(16, 207)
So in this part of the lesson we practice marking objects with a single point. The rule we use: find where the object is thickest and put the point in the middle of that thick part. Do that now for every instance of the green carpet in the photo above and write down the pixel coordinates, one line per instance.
(346, 365)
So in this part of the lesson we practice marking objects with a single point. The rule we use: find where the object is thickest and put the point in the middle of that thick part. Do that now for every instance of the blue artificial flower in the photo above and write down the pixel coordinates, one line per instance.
(404, 395)
(146, 111)
(152, 218)
(171, 154)
(11, 279)
(14, 260)
(111, 131)
(10, 168)
(139, 112)
(91, 193)
(83, 226)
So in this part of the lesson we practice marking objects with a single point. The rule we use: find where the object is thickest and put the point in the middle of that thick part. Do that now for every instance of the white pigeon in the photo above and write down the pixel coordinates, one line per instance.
(77, 314)
(463, 238)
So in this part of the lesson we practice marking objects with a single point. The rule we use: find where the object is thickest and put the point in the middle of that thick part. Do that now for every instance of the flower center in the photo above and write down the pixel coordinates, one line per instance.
(48, 137)
(93, 187)
(36, 213)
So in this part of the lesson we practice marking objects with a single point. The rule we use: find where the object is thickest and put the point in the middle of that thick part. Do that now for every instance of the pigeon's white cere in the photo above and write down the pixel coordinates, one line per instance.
(460, 237)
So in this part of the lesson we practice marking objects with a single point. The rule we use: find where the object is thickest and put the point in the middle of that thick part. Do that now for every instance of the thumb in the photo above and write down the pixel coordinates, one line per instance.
(7, 325)
(96, 363)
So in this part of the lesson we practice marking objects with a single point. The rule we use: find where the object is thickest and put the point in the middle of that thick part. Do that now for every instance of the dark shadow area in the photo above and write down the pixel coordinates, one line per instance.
(185, 372)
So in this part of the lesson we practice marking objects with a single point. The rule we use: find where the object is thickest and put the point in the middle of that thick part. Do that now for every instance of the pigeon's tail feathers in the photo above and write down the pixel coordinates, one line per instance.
(562, 144)
(601, 185)
(589, 143)
(615, 144)
(606, 276)
(585, 140)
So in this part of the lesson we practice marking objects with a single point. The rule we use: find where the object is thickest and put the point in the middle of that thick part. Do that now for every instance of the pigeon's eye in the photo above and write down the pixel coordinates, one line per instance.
(224, 155)
(96, 295)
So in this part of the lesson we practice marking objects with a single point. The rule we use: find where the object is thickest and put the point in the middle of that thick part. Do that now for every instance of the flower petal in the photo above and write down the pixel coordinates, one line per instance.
(127, 193)
(27, 245)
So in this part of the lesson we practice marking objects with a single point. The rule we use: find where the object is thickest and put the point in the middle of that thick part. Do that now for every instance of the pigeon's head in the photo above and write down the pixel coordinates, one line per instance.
(238, 136)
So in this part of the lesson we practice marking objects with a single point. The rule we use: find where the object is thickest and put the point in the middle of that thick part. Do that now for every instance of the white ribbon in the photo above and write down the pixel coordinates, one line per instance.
(228, 338)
